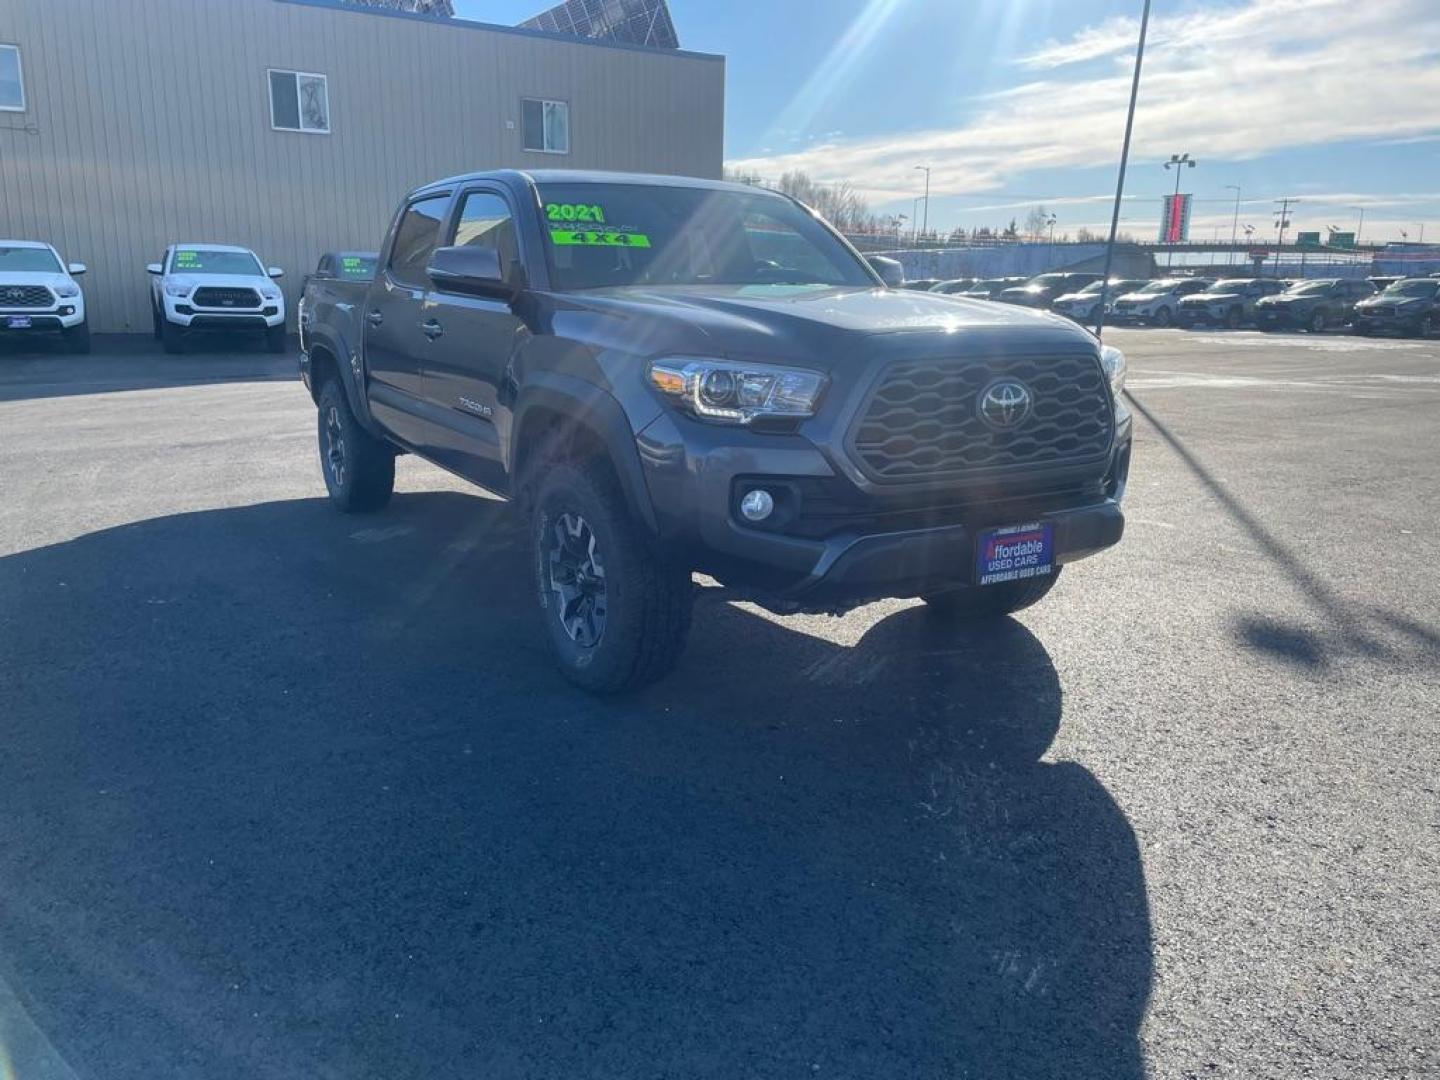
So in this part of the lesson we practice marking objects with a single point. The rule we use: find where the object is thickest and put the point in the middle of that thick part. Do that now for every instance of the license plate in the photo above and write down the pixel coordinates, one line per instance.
(18, 322)
(1014, 553)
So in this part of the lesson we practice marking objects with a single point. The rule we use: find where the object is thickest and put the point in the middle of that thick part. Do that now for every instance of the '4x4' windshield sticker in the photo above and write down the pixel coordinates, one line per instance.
(598, 238)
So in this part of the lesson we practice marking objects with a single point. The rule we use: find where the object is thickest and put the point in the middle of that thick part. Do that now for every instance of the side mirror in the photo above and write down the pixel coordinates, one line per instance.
(154, 268)
(275, 272)
(473, 270)
(75, 269)
(890, 270)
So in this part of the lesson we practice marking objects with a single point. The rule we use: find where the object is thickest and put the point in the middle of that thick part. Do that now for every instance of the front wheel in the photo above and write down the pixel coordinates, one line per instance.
(1426, 326)
(359, 468)
(77, 338)
(172, 337)
(991, 601)
(1164, 317)
(615, 612)
(1233, 318)
(1318, 322)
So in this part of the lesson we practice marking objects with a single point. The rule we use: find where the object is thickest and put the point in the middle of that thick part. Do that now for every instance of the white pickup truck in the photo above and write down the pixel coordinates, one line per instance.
(39, 294)
(203, 287)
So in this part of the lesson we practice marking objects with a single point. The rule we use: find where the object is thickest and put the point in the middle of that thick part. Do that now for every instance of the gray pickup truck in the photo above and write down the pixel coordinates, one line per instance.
(674, 375)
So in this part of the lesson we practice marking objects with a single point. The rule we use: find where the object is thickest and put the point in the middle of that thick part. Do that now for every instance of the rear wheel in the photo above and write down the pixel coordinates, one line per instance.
(77, 338)
(172, 336)
(616, 613)
(991, 601)
(359, 468)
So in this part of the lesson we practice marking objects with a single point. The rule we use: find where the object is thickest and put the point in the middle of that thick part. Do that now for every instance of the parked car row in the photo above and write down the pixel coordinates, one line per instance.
(193, 288)
(1370, 306)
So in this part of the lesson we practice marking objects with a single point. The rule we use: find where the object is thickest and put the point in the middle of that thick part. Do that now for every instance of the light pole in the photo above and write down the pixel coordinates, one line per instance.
(1235, 222)
(1050, 252)
(925, 227)
(1361, 227)
(1120, 179)
(1282, 222)
(1179, 162)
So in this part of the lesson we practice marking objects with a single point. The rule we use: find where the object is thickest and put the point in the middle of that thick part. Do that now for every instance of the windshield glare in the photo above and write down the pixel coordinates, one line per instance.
(13, 259)
(1309, 288)
(1164, 285)
(207, 261)
(606, 235)
(1228, 285)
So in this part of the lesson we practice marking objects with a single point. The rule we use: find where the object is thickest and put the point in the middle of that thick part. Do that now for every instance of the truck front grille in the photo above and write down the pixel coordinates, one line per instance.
(26, 296)
(215, 296)
(923, 421)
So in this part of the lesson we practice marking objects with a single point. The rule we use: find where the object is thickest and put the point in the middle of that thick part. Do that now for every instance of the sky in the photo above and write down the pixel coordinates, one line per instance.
(1018, 103)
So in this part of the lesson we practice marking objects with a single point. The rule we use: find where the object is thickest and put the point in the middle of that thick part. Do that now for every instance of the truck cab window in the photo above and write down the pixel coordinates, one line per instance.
(485, 221)
(415, 238)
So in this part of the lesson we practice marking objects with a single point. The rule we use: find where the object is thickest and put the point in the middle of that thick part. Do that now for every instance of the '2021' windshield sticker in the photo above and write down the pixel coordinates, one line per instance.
(598, 238)
(575, 212)
(185, 259)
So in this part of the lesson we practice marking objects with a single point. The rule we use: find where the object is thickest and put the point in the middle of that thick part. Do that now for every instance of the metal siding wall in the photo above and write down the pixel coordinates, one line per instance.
(151, 124)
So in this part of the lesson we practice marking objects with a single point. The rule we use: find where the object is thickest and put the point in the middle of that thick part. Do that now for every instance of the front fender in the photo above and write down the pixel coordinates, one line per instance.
(548, 393)
(349, 366)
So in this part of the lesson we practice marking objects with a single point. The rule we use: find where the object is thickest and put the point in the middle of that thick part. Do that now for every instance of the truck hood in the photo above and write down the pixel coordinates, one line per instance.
(799, 320)
(33, 277)
(222, 281)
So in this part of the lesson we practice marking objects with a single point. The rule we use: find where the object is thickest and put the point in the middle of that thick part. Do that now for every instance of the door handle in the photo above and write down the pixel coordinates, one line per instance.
(431, 329)
(374, 318)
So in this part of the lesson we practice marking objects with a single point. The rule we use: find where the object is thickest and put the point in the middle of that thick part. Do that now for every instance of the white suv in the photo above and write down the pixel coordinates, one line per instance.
(39, 294)
(215, 287)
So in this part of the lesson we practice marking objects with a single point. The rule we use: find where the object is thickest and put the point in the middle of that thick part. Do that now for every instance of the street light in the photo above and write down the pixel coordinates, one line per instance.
(926, 226)
(1120, 178)
(1180, 162)
(1234, 221)
(1050, 252)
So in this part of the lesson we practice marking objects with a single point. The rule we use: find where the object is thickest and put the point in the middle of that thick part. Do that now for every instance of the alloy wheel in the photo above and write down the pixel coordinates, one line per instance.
(335, 446)
(577, 578)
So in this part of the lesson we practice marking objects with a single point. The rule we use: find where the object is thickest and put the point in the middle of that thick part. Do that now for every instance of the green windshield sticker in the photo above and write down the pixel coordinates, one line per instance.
(353, 265)
(591, 238)
(187, 258)
(575, 212)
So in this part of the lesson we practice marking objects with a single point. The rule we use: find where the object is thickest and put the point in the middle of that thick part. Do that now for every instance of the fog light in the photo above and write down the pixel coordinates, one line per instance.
(757, 505)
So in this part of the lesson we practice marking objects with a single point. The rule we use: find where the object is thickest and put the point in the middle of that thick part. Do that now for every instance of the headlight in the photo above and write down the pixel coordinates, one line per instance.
(730, 393)
(67, 289)
(269, 292)
(1113, 361)
(178, 288)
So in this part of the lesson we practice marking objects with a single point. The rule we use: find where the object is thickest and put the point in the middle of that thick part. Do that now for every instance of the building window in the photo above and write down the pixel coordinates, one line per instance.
(299, 101)
(12, 80)
(545, 125)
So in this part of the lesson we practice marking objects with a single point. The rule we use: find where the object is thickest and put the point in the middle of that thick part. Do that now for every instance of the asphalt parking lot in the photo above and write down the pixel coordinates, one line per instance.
(290, 794)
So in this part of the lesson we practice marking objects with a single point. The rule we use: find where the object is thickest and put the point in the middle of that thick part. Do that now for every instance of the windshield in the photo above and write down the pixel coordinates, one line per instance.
(1413, 288)
(210, 261)
(1164, 285)
(1045, 281)
(605, 235)
(1228, 285)
(1309, 288)
(13, 259)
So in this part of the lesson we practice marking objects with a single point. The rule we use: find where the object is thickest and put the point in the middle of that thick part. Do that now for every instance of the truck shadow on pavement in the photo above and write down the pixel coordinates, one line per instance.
(286, 793)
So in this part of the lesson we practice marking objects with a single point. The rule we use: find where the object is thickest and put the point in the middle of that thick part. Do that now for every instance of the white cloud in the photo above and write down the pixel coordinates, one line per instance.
(1234, 82)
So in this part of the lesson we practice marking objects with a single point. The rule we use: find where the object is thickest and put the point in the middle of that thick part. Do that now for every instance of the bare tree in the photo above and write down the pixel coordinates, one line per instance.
(839, 203)
(1037, 221)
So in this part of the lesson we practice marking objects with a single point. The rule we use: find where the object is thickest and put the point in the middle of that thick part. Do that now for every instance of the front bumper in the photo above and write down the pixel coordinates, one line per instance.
(831, 546)
(1366, 323)
(1270, 318)
(183, 313)
(47, 321)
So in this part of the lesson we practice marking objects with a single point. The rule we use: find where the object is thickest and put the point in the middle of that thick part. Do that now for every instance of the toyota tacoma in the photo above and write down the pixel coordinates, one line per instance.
(196, 288)
(675, 376)
(39, 294)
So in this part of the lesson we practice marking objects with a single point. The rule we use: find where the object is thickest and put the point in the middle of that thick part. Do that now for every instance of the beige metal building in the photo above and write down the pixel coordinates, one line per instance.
(294, 126)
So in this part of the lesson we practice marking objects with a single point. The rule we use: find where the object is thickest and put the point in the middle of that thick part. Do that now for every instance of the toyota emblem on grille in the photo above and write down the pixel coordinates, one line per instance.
(1005, 404)
(15, 294)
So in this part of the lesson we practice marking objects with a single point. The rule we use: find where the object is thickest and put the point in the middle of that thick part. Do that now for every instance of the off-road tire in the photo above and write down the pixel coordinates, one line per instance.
(172, 337)
(991, 601)
(359, 469)
(275, 339)
(77, 339)
(647, 601)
